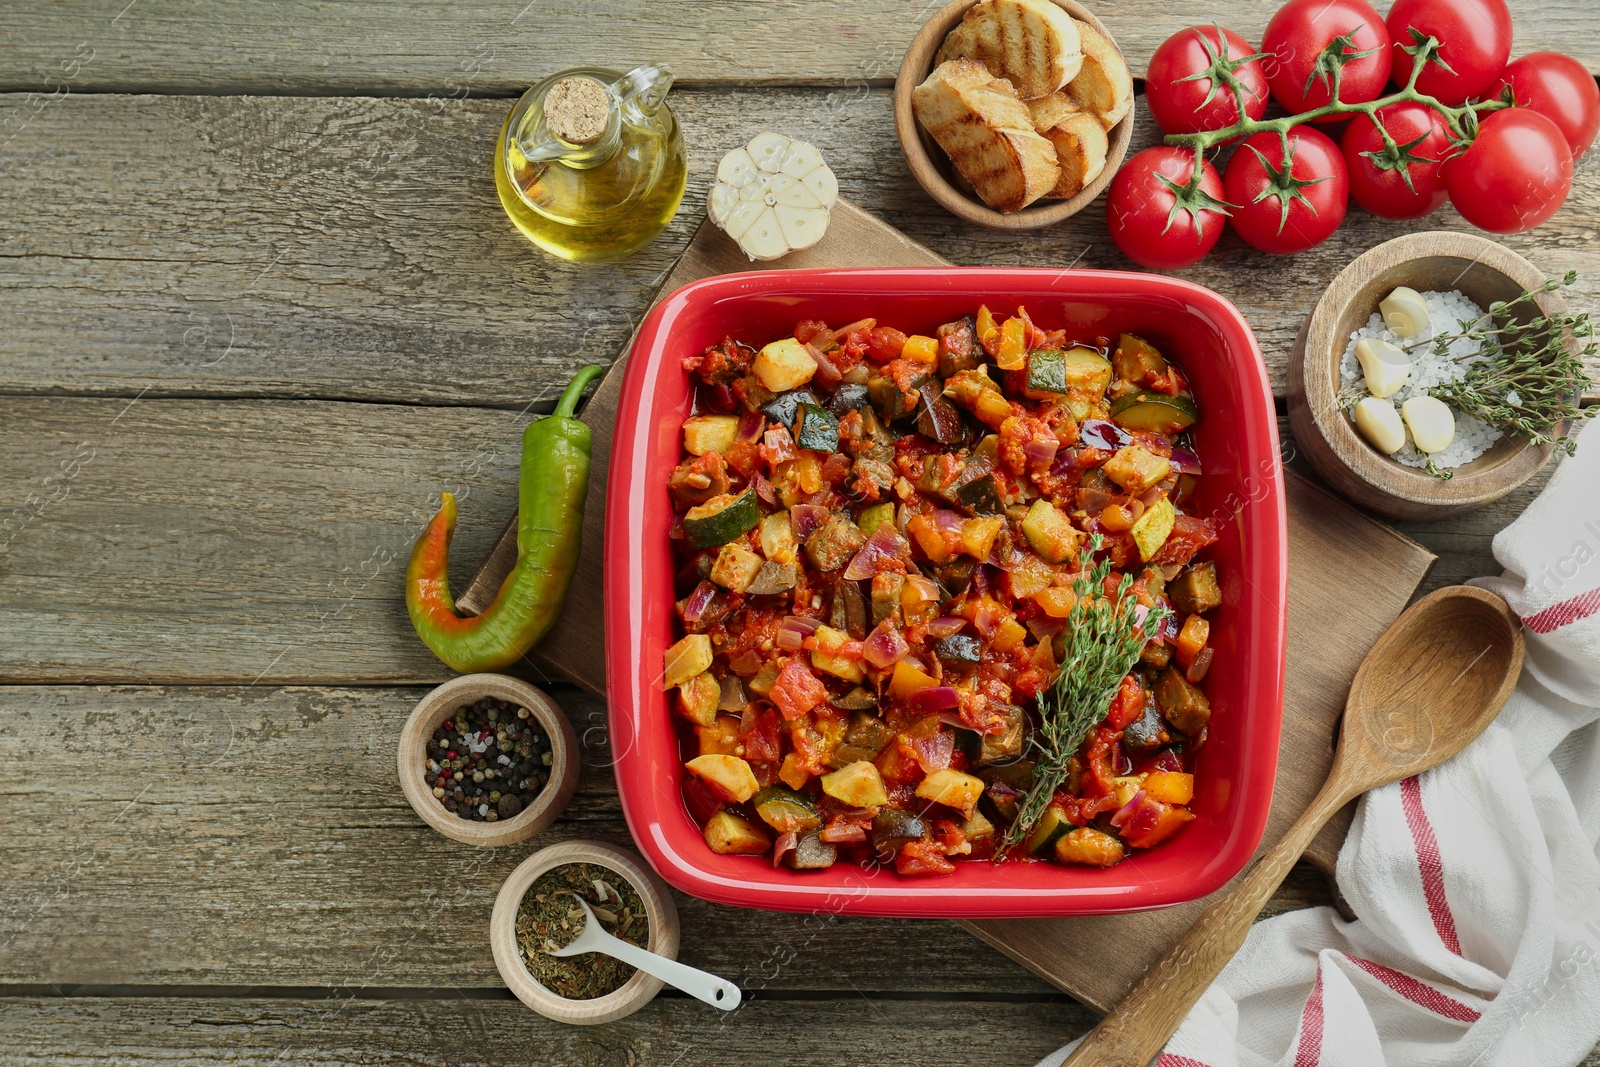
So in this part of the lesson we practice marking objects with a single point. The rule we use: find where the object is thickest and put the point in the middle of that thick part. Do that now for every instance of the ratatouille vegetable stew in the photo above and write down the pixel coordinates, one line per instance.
(939, 596)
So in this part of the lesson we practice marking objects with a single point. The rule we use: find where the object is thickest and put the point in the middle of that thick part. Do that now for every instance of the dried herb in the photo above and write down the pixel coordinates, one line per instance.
(549, 917)
(1529, 385)
(1104, 638)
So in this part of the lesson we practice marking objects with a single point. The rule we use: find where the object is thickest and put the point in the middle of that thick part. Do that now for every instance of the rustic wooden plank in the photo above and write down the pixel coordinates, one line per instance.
(354, 248)
(500, 46)
(245, 836)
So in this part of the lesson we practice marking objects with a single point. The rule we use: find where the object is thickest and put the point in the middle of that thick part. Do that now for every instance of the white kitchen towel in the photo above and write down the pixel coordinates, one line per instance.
(1476, 884)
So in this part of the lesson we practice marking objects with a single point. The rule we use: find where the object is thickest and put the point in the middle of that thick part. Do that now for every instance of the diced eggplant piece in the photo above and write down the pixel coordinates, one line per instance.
(1156, 654)
(1147, 732)
(857, 784)
(833, 544)
(1050, 533)
(938, 418)
(893, 827)
(1003, 799)
(1006, 746)
(811, 853)
(863, 740)
(952, 788)
(730, 776)
(848, 397)
(731, 834)
(816, 428)
(721, 519)
(736, 567)
(858, 699)
(783, 407)
(887, 589)
(981, 495)
(1195, 591)
(959, 648)
(1136, 468)
(786, 810)
(954, 577)
(887, 399)
(850, 609)
(1017, 774)
(958, 346)
(773, 578)
(1136, 360)
(1184, 705)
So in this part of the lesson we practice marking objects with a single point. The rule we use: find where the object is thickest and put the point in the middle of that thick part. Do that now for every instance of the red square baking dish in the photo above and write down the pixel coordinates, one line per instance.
(1237, 441)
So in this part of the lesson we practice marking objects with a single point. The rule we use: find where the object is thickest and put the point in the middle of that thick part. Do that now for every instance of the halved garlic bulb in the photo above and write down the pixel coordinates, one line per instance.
(1432, 423)
(1405, 313)
(1385, 366)
(773, 196)
(1379, 423)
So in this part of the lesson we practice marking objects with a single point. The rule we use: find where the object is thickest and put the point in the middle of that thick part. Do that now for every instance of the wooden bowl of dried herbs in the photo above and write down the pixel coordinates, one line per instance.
(487, 759)
(536, 908)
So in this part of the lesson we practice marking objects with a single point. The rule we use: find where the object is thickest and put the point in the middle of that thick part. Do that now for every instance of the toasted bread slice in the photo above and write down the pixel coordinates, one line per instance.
(987, 133)
(1103, 84)
(1033, 44)
(1079, 139)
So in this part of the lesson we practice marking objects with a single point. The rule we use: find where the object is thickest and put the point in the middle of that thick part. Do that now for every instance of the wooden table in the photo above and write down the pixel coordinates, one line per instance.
(260, 305)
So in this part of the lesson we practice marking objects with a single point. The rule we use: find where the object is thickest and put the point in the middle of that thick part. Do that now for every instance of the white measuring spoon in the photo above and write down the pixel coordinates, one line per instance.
(717, 992)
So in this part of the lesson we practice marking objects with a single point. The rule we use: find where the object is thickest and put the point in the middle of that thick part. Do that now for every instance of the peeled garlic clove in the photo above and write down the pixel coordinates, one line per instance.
(1385, 366)
(1432, 423)
(773, 196)
(1405, 313)
(1379, 423)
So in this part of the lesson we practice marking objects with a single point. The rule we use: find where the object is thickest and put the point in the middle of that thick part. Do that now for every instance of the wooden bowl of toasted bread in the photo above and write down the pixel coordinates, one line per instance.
(1014, 114)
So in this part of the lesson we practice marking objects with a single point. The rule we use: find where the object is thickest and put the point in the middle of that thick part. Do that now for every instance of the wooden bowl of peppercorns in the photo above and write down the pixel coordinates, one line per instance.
(488, 759)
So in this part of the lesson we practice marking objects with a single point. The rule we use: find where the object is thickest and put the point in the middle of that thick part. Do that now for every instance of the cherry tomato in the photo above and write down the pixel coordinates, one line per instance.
(1515, 175)
(1559, 88)
(1154, 220)
(1379, 174)
(1474, 39)
(1301, 58)
(1287, 206)
(1180, 102)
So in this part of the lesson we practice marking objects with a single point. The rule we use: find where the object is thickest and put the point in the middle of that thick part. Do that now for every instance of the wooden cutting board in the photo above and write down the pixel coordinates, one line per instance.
(1349, 577)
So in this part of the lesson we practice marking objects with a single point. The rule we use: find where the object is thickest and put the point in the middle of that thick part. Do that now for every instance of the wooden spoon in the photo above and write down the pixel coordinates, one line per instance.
(1430, 685)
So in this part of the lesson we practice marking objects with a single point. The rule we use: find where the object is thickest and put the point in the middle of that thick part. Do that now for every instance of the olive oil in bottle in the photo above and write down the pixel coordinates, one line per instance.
(590, 163)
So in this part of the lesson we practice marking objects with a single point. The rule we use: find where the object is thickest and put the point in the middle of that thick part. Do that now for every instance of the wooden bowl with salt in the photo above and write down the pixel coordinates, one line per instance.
(1438, 261)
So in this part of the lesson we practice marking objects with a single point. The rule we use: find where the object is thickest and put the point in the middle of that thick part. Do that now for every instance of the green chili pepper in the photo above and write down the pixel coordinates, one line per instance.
(552, 487)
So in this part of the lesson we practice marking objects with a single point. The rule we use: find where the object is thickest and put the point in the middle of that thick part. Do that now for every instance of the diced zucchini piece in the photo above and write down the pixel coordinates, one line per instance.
(786, 810)
(736, 567)
(952, 788)
(1170, 787)
(731, 834)
(782, 408)
(874, 517)
(777, 538)
(833, 544)
(977, 826)
(1195, 591)
(773, 578)
(710, 433)
(763, 680)
(1156, 412)
(721, 519)
(721, 738)
(1047, 374)
(811, 853)
(1137, 360)
(1089, 846)
(858, 784)
(1184, 705)
(1150, 530)
(1085, 372)
(981, 495)
(816, 428)
(1050, 828)
(1050, 533)
(729, 776)
(698, 698)
(686, 659)
(825, 656)
(1005, 746)
(784, 365)
(893, 827)
(1136, 468)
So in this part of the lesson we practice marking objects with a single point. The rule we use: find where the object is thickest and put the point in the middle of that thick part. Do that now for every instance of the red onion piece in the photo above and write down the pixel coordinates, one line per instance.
(827, 374)
(946, 626)
(1045, 627)
(764, 489)
(793, 631)
(931, 752)
(1167, 761)
(1125, 812)
(732, 697)
(698, 601)
(1098, 433)
(988, 617)
(1041, 452)
(784, 843)
(717, 398)
(885, 543)
(806, 518)
(1184, 461)
(845, 331)
(885, 646)
(934, 699)
(752, 424)
(777, 445)
(843, 833)
(947, 521)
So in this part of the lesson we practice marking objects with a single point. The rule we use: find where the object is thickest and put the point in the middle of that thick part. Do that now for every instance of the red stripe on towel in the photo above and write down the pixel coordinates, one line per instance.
(1309, 1052)
(1417, 992)
(1428, 863)
(1172, 1059)
(1570, 610)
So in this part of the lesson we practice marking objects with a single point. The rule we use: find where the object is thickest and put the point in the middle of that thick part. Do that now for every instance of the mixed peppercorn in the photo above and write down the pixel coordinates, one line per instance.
(881, 537)
(488, 761)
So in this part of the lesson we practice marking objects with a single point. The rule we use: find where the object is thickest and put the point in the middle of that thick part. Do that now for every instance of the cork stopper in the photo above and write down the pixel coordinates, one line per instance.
(576, 109)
